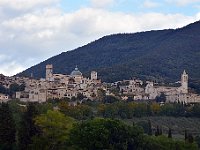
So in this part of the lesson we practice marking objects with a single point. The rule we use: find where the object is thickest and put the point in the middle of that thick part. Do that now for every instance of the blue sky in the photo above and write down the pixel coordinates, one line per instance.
(135, 6)
(34, 30)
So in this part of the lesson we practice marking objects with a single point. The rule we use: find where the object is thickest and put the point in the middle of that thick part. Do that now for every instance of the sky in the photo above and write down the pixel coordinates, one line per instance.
(31, 31)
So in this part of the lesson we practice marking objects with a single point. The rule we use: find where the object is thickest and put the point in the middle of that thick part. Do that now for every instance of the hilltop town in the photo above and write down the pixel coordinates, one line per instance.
(59, 86)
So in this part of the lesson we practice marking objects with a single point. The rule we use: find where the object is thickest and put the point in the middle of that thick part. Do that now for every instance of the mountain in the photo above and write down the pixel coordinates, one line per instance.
(161, 55)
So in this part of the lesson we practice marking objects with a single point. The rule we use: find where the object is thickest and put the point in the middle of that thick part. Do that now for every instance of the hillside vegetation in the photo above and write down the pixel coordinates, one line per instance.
(161, 55)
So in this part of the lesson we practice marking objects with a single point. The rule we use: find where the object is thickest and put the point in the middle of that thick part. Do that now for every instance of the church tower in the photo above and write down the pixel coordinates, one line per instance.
(49, 72)
(93, 75)
(184, 82)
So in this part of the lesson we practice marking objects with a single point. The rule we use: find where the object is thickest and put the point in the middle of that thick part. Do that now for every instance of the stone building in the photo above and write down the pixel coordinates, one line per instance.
(4, 98)
(173, 94)
(58, 86)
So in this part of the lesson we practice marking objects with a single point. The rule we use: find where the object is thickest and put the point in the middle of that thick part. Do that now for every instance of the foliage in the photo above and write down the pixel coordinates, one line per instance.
(170, 133)
(55, 128)
(79, 112)
(27, 127)
(164, 143)
(149, 128)
(129, 110)
(160, 55)
(12, 89)
(15, 88)
(110, 99)
(105, 134)
(3, 90)
(161, 98)
(101, 94)
(80, 96)
(7, 127)
(197, 140)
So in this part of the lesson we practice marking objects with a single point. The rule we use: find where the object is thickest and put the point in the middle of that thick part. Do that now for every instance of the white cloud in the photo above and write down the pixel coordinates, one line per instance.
(150, 4)
(38, 34)
(26, 4)
(101, 3)
(11, 68)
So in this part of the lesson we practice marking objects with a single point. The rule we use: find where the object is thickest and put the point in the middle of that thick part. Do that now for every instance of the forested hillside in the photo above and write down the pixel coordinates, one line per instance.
(161, 55)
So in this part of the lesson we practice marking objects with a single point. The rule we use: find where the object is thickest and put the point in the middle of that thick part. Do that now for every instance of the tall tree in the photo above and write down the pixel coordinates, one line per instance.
(7, 127)
(190, 138)
(150, 128)
(27, 127)
(170, 133)
(157, 132)
(55, 127)
(186, 135)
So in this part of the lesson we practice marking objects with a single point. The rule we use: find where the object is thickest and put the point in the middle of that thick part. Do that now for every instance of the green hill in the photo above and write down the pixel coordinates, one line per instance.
(161, 55)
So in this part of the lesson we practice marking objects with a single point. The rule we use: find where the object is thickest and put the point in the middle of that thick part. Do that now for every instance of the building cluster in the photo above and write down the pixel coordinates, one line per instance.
(149, 91)
(59, 86)
(6, 82)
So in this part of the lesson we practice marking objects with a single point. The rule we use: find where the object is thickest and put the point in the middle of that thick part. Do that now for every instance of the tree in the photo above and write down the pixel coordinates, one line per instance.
(161, 98)
(3, 89)
(155, 107)
(27, 127)
(170, 133)
(186, 135)
(80, 96)
(55, 128)
(164, 143)
(7, 127)
(110, 99)
(130, 99)
(101, 94)
(15, 88)
(157, 132)
(144, 125)
(150, 128)
(73, 99)
(105, 134)
(79, 112)
(160, 130)
(190, 138)
(197, 140)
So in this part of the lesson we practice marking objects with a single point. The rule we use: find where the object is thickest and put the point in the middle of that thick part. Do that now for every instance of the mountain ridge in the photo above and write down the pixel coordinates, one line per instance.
(156, 54)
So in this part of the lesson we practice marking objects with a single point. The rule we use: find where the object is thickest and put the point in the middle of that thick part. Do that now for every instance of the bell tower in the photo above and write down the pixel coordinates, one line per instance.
(49, 72)
(93, 75)
(184, 82)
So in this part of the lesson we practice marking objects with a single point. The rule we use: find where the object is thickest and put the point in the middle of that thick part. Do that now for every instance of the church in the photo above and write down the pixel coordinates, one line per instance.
(173, 94)
(58, 86)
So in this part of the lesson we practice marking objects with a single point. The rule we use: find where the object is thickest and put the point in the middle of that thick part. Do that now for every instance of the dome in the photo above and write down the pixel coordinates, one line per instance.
(76, 72)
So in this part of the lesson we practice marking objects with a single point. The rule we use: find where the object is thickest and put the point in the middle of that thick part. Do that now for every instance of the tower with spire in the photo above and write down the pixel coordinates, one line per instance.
(184, 82)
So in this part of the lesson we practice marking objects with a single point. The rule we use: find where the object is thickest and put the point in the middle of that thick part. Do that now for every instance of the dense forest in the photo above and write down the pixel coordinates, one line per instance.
(95, 125)
(156, 55)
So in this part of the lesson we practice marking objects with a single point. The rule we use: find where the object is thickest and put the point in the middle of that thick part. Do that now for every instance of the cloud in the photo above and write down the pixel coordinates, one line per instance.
(150, 4)
(101, 3)
(26, 4)
(183, 2)
(11, 68)
(45, 31)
